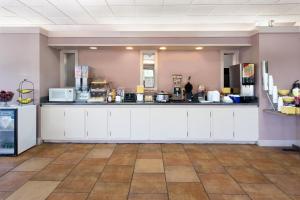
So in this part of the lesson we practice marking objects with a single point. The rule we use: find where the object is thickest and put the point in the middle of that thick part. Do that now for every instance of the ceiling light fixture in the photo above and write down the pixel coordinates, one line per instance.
(199, 48)
(93, 48)
(129, 48)
(163, 48)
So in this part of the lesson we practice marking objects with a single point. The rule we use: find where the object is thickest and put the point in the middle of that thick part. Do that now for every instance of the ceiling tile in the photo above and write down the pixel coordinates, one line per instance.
(200, 9)
(99, 11)
(177, 2)
(276, 9)
(13, 21)
(177, 10)
(149, 11)
(120, 2)
(6, 13)
(123, 11)
(10, 3)
(92, 2)
(61, 20)
(147, 2)
(35, 2)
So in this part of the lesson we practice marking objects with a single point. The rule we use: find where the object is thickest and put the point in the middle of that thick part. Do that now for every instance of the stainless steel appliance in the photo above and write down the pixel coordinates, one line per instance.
(162, 97)
(82, 82)
(242, 80)
(177, 87)
(62, 94)
(99, 91)
(130, 97)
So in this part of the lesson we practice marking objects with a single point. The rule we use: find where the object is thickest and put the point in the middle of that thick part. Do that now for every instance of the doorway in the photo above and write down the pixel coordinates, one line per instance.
(228, 58)
(68, 61)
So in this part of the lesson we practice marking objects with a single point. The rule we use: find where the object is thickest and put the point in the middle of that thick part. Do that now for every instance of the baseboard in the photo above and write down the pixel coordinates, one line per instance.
(277, 143)
(39, 140)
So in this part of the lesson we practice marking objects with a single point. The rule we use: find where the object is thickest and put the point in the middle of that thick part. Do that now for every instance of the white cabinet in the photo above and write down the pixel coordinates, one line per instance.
(52, 123)
(140, 123)
(246, 124)
(168, 123)
(222, 124)
(74, 123)
(119, 123)
(96, 123)
(199, 123)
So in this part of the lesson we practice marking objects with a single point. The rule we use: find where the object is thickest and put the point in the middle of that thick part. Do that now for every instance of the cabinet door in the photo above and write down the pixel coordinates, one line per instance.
(222, 124)
(119, 123)
(199, 123)
(246, 124)
(74, 123)
(96, 123)
(52, 123)
(168, 123)
(140, 123)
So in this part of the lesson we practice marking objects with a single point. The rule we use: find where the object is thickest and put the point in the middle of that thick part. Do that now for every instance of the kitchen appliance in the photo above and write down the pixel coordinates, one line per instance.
(120, 92)
(242, 80)
(17, 129)
(177, 87)
(188, 90)
(82, 82)
(130, 97)
(149, 98)
(162, 97)
(213, 96)
(140, 93)
(62, 94)
(99, 91)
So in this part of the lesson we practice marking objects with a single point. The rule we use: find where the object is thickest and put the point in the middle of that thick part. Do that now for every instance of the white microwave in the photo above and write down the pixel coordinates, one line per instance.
(62, 94)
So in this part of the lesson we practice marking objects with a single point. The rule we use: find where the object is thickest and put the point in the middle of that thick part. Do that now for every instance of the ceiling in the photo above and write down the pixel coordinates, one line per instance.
(148, 15)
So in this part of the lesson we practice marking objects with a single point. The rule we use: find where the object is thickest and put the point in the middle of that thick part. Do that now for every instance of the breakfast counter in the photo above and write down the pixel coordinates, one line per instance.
(149, 122)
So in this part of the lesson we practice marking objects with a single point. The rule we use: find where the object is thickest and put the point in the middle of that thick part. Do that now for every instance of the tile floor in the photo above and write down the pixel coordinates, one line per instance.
(150, 172)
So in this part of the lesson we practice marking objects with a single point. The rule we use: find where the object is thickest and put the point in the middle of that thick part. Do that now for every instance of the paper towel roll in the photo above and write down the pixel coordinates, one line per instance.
(265, 81)
(275, 94)
(270, 84)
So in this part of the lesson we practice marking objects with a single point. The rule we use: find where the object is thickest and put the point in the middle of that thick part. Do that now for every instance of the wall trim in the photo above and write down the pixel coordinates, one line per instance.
(277, 143)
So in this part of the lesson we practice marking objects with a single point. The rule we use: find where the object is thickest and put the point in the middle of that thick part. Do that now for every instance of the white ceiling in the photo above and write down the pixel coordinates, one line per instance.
(147, 15)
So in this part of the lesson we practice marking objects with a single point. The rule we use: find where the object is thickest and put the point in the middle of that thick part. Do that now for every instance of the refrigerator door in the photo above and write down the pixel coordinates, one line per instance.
(8, 131)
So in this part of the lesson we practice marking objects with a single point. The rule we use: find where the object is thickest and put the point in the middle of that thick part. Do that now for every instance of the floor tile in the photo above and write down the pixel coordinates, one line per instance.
(117, 174)
(67, 196)
(51, 152)
(80, 148)
(148, 197)
(232, 161)
(11, 162)
(29, 190)
(86, 166)
(5, 169)
(100, 153)
(149, 148)
(53, 173)
(148, 183)
(220, 184)
(126, 148)
(209, 166)
(268, 166)
(149, 155)
(228, 197)
(69, 158)
(176, 158)
(107, 191)
(264, 192)
(105, 146)
(290, 184)
(13, 180)
(33, 164)
(186, 191)
(195, 148)
(167, 148)
(246, 175)
(181, 174)
(149, 166)
(122, 159)
(77, 183)
(200, 156)
(294, 169)
(4, 195)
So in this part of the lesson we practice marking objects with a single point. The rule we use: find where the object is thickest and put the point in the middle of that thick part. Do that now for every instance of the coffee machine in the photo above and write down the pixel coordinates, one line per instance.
(242, 80)
(177, 88)
(82, 82)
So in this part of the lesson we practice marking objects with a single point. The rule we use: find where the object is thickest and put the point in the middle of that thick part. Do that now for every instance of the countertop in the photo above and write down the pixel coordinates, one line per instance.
(150, 103)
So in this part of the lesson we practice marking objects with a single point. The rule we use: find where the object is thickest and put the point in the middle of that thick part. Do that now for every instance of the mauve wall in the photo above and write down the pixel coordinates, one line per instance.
(19, 59)
(49, 66)
(122, 67)
(282, 52)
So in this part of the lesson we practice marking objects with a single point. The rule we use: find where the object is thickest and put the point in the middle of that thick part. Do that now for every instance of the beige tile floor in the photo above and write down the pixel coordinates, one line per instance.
(150, 172)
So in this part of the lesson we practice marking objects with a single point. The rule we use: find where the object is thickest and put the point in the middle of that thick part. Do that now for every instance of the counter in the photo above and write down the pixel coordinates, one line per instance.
(149, 122)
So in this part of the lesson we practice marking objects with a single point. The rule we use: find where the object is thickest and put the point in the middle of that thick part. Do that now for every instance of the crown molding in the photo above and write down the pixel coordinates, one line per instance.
(23, 30)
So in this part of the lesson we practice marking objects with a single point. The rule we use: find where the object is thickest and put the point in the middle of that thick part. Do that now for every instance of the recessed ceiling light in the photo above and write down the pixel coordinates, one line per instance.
(129, 48)
(163, 48)
(93, 48)
(199, 48)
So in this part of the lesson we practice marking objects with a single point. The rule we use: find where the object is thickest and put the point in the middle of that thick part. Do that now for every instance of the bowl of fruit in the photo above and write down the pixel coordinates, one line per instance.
(6, 96)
